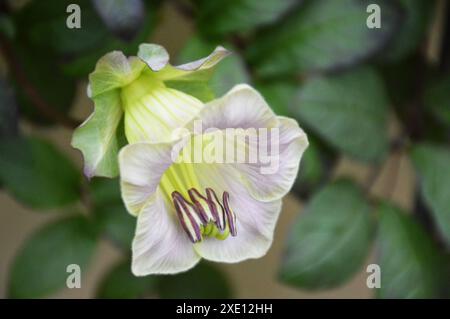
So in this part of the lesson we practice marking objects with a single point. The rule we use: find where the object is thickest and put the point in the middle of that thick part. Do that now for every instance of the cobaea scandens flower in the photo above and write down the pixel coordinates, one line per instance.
(220, 210)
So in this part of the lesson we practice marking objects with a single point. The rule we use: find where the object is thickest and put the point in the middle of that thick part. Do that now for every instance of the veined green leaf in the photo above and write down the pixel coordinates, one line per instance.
(330, 241)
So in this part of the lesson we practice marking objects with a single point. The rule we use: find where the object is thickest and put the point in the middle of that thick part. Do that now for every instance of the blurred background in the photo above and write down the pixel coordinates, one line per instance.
(370, 85)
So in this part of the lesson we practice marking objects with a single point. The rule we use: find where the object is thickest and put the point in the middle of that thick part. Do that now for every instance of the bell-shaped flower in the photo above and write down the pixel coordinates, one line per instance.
(214, 193)
(150, 95)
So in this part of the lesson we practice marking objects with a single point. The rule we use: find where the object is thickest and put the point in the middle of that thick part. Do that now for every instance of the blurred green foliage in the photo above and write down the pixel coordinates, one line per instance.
(322, 35)
(354, 104)
(324, 249)
(314, 60)
(121, 284)
(433, 166)
(37, 174)
(203, 281)
(412, 265)
(40, 268)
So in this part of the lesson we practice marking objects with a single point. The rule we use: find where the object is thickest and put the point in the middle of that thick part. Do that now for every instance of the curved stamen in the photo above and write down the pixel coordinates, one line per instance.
(188, 217)
(205, 216)
(231, 217)
(216, 208)
(202, 205)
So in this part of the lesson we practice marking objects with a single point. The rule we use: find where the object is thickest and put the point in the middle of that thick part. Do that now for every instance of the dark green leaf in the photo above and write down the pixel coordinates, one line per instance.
(56, 89)
(416, 14)
(330, 242)
(117, 224)
(220, 17)
(43, 25)
(229, 72)
(433, 166)
(42, 28)
(278, 95)
(322, 35)
(41, 265)
(37, 174)
(120, 283)
(314, 169)
(7, 27)
(82, 65)
(105, 191)
(410, 264)
(349, 111)
(437, 100)
(111, 215)
(122, 17)
(8, 111)
(400, 84)
(203, 281)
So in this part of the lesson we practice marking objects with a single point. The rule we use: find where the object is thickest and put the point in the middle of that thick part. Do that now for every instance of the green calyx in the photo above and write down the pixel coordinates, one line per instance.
(137, 90)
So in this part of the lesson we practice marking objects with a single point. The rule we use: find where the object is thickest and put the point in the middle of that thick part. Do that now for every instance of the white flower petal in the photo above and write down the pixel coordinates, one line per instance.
(267, 177)
(255, 220)
(141, 167)
(242, 107)
(160, 245)
(272, 178)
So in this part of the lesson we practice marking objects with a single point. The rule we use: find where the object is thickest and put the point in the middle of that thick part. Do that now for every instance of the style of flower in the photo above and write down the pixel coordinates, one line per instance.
(224, 212)
(152, 96)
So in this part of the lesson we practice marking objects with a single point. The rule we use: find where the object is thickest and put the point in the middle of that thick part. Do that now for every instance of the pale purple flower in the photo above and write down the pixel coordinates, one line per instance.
(223, 212)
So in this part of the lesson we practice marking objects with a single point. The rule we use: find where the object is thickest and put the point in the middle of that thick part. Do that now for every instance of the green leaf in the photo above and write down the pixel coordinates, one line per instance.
(55, 88)
(432, 163)
(40, 268)
(279, 95)
(111, 215)
(437, 100)
(43, 25)
(100, 137)
(7, 27)
(37, 174)
(330, 241)
(349, 111)
(399, 83)
(8, 111)
(322, 35)
(315, 167)
(229, 72)
(117, 224)
(80, 65)
(410, 263)
(203, 281)
(217, 18)
(416, 14)
(120, 283)
(226, 74)
(105, 191)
